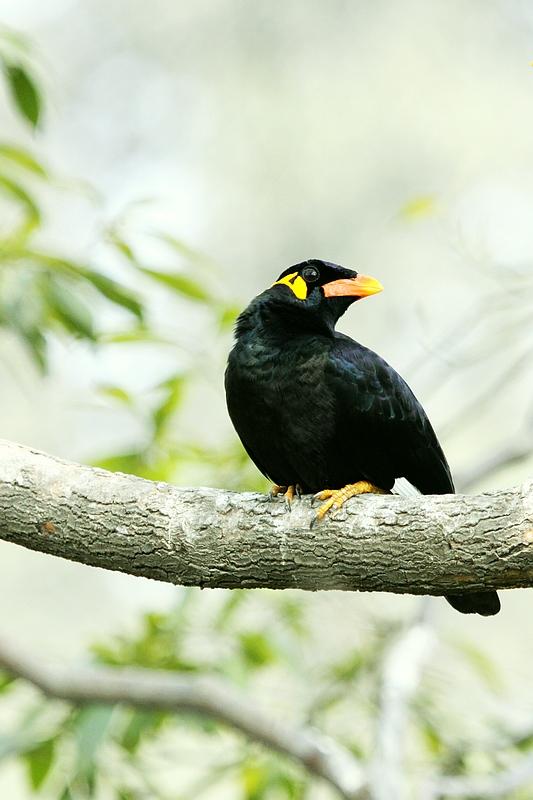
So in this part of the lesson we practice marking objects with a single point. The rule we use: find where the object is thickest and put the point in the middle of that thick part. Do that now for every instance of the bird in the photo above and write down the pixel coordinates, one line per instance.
(318, 412)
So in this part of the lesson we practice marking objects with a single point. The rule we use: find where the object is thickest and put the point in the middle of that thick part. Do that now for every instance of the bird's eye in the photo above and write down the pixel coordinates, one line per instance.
(310, 274)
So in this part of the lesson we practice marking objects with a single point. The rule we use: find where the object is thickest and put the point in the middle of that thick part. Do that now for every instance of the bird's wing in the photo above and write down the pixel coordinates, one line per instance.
(387, 420)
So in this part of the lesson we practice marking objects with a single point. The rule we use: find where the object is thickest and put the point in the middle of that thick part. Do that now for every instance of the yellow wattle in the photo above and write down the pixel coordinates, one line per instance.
(296, 283)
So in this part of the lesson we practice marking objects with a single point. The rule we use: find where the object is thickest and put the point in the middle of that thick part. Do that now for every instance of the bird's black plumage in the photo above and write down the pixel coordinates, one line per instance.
(316, 408)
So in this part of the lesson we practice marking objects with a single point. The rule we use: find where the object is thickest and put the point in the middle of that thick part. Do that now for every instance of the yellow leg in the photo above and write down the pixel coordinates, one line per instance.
(335, 498)
(287, 491)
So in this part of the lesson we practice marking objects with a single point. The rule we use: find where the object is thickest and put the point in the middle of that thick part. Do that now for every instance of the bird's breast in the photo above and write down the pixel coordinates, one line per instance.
(287, 376)
(281, 407)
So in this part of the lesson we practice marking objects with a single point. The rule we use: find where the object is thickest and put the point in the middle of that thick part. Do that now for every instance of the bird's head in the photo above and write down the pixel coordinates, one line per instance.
(322, 287)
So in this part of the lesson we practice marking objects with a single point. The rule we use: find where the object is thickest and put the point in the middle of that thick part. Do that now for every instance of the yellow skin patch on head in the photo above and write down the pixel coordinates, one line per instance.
(296, 283)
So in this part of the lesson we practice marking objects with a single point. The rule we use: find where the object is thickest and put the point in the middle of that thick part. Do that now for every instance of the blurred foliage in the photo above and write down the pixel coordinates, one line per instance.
(418, 207)
(16, 61)
(46, 294)
(249, 639)
(75, 752)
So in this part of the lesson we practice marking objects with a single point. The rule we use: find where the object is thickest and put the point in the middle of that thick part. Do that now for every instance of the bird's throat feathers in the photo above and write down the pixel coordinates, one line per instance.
(277, 317)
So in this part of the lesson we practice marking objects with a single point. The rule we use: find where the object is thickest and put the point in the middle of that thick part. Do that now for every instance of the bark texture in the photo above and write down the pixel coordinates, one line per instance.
(214, 538)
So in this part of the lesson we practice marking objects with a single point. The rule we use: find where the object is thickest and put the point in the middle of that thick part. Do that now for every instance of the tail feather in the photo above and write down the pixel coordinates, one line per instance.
(484, 603)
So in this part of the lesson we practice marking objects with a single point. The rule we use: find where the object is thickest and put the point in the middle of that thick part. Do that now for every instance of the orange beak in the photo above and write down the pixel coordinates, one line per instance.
(362, 286)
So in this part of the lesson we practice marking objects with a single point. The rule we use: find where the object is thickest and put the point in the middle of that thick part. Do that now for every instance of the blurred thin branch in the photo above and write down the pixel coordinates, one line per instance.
(401, 673)
(499, 784)
(164, 691)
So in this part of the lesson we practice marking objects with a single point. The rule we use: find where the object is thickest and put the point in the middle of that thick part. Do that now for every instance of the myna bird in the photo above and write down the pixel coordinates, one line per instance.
(319, 413)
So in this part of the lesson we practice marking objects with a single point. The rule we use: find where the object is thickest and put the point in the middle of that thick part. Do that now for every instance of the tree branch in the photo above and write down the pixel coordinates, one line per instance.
(214, 538)
(498, 784)
(401, 674)
(165, 691)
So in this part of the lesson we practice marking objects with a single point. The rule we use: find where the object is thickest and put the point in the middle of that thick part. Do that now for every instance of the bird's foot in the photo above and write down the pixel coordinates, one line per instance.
(289, 492)
(335, 498)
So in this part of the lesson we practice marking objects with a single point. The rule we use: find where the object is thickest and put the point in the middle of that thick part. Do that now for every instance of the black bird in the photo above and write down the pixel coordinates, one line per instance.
(314, 408)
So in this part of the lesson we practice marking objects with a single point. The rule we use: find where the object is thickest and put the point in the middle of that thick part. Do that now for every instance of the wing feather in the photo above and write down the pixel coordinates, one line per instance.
(392, 431)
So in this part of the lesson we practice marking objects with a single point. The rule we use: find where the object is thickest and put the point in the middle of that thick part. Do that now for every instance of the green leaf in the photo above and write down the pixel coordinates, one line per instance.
(143, 463)
(39, 760)
(290, 787)
(116, 393)
(227, 316)
(24, 92)
(417, 207)
(179, 283)
(138, 724)
(115, 292)
(122, 246)
(179, 246)
(130, 463)
(174, 393)
(127, 794)
(139, 334)
(141, 725)
(20, 41)
(109, 288)
(68, 308)
(157, 646)
(266, 778)
(292, 613)
(36, 343)
(432, 738)
(350, 666)
(234, 599)
(21, 196)
(23, 159)
(256, 649)
(6, 681)
(254, 781)
(91, 726)
(185, 250)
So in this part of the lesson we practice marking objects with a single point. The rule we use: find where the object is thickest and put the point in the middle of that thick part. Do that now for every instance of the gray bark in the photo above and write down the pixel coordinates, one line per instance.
(214, 538)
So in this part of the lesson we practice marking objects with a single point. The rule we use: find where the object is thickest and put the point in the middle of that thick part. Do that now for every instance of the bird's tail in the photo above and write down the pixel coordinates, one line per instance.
(484, 603)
